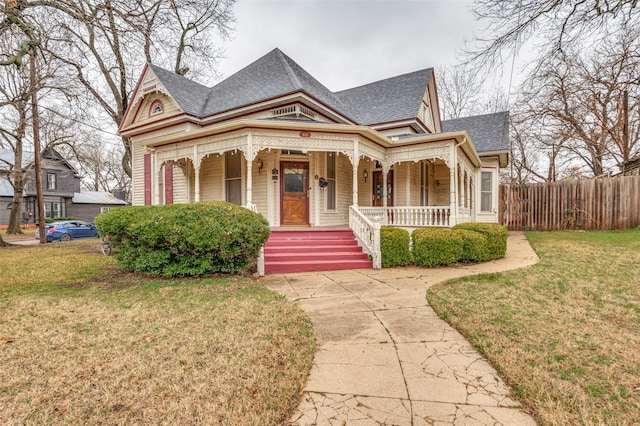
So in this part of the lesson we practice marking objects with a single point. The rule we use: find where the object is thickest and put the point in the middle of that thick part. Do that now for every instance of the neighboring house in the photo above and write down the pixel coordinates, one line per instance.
(89, 204)
(631, 167)
(274, 139)
(61, 188)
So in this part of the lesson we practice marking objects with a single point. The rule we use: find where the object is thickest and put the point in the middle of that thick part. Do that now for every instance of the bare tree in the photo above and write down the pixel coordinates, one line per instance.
(104, 43)
(561, 24)
(462, 92)
(581, 97)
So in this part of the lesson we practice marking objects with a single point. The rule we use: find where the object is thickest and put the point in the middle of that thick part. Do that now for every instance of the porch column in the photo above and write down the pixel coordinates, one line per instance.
(385, 179)
(156, 181)
(354, 165)
(453, 216)
(196, 178)
(249, 158)
(196, 175)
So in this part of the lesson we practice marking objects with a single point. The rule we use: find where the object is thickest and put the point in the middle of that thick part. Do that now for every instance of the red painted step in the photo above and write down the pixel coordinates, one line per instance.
(289, 251)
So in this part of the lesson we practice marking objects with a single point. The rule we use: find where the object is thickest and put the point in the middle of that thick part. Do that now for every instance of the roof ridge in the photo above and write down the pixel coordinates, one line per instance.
(385, 79)
(293, 77)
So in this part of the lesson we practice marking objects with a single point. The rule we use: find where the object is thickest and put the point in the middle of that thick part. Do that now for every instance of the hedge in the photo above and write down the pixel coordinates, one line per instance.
(496, 236)
(185, 239)
(474, 246)
(436, 246)
(394, 245)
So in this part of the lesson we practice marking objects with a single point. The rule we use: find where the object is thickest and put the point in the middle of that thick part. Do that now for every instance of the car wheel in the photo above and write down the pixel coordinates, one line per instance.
(65, 237)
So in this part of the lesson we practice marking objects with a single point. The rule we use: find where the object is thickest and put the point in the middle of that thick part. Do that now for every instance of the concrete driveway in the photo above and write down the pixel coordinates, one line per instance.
(384, 356)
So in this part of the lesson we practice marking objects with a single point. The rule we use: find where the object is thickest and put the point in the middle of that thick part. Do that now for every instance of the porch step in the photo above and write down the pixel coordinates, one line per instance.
(290, 251)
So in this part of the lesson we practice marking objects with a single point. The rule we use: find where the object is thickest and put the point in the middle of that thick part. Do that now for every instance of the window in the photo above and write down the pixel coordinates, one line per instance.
(486, 192)
(331, 181)
(52, 210)
(104, 209)
(424, 183)
(52, 183)
(233, 178)
(156, 108)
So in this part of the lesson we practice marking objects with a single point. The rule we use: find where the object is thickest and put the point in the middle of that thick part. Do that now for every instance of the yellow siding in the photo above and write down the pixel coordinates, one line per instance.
(211, 179)
(260, 182)
(439, 194)
(364, 188)
(344, 184)
(179, 186)
(137, 166)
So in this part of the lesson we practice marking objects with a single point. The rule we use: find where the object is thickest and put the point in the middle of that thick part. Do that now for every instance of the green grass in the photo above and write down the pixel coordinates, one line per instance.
(564, 333)
(82, 343)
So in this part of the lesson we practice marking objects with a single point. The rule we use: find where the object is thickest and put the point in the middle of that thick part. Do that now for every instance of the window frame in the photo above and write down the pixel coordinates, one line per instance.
(154, 104)
(232, 180)
(51, 187)
(331, 190)
(486, 192)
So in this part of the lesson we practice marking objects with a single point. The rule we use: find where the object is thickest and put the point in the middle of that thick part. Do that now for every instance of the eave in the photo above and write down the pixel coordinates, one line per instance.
(461, 138)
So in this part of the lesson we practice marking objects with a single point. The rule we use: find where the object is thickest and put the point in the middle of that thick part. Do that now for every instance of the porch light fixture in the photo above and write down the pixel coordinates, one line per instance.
(259, 164)
(437, 182)
(365, 174)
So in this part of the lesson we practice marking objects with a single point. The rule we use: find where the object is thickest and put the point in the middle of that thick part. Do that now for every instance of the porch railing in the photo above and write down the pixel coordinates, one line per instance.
(409, 216)
(367, 233)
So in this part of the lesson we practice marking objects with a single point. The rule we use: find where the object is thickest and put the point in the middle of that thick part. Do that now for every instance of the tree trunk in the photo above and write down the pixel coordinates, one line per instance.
(14, 216)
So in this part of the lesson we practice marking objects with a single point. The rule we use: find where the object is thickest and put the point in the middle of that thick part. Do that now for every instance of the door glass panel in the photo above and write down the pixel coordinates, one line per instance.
(294, 180)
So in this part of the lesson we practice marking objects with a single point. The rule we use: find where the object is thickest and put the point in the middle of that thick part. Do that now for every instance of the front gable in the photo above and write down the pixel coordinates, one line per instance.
(151, 102)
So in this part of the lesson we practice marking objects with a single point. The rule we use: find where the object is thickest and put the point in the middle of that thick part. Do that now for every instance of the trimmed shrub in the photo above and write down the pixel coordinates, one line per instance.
(436, 246)
(394, 245)
(185, 239)
(474, 246)
(496, 237)
(58, 219)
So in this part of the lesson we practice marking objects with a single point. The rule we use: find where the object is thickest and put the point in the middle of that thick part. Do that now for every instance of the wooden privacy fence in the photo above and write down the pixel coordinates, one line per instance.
(608, 203)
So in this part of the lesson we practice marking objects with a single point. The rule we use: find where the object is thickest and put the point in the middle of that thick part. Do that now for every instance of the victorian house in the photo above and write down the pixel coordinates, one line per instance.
(274, 139)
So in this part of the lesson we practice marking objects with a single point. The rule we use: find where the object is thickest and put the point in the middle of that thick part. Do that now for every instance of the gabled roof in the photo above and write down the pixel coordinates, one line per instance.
(6, 190)
(393, 99)
(189, 95)
(97, 197)
(7, 156)
(275, 75)
(271, 76)
(489, 132)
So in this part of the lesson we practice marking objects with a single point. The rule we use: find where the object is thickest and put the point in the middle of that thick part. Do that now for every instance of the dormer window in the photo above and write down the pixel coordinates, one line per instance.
(156, 108)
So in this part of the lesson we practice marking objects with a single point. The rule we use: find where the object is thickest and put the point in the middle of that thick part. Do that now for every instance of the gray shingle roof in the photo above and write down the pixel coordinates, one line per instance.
(7, 156)
(275, 74)
(489, 132)
(6, 190)
(97, 197)
(393, 99)
(189, 95)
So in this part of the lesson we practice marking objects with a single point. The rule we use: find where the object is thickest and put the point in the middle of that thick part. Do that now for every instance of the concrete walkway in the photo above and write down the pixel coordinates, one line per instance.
(384, 356)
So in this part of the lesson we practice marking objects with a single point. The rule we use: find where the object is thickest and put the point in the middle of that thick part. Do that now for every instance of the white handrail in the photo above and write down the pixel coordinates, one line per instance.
(409, 216)
(367, 233)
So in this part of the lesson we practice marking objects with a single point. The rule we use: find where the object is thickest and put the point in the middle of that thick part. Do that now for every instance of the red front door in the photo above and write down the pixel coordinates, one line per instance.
(294, 200)
(377, 189)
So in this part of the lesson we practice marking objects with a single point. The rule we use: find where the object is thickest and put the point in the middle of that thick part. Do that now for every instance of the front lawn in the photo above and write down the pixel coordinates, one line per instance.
(82, 343)
(564, 333)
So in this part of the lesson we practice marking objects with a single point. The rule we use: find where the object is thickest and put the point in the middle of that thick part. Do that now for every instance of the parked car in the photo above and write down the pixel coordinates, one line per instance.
(68, 230)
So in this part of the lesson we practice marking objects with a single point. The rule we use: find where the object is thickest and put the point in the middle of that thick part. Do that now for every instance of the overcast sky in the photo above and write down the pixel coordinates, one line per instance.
(347, 43)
